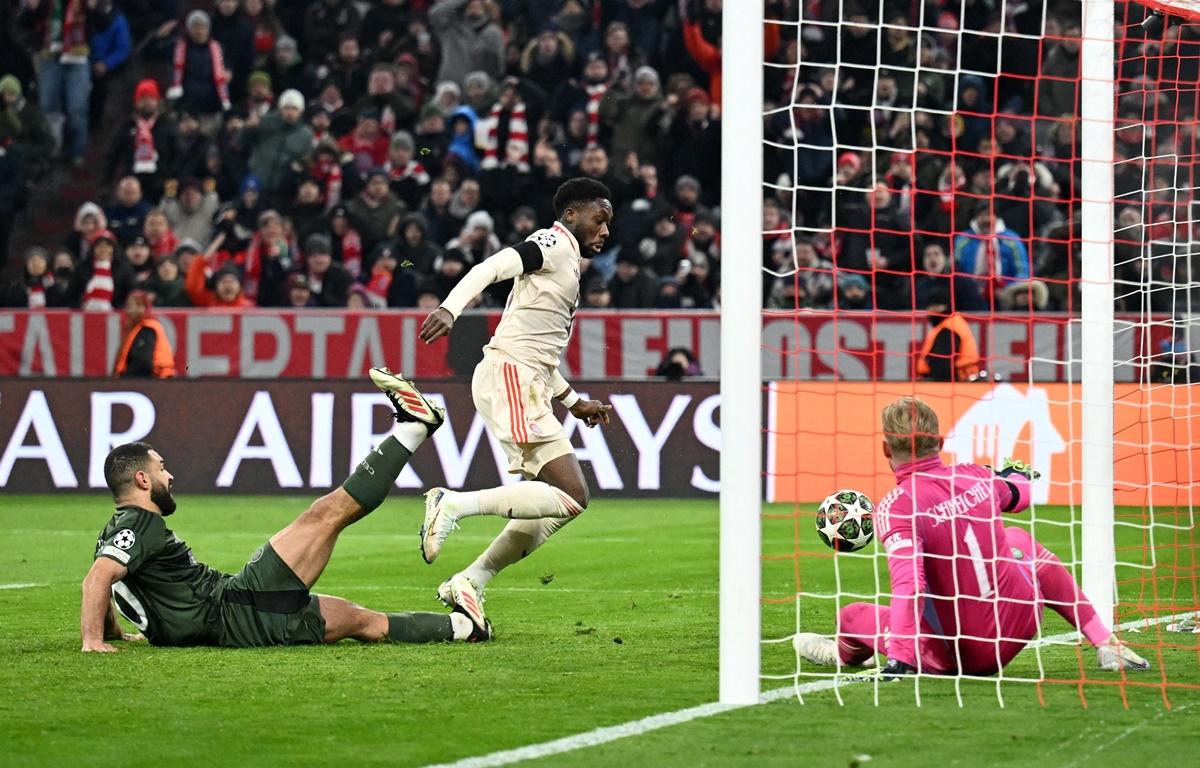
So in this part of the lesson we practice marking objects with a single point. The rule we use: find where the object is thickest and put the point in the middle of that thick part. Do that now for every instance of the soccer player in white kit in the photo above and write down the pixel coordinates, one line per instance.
(515, 384)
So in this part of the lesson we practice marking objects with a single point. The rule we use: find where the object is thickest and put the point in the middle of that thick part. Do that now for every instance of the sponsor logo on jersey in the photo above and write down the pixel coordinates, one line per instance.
(1017, 554)
(258, 553)
(124, 538)
(546, 239)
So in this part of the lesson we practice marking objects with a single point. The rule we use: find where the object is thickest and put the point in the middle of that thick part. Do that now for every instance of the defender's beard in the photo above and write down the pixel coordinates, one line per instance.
(161, 496)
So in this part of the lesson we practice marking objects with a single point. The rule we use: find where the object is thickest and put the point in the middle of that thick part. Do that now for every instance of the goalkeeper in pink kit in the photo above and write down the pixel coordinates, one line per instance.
(967, 592)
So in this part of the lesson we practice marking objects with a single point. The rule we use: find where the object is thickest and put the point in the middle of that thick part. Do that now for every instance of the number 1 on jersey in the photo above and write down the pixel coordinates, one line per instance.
(985, 585)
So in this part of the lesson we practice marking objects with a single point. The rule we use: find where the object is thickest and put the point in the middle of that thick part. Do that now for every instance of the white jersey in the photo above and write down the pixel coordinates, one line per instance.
(537, 318)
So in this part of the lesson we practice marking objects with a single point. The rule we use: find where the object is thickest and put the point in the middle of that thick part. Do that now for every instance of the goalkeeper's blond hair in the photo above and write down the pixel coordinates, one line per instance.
(910, 428)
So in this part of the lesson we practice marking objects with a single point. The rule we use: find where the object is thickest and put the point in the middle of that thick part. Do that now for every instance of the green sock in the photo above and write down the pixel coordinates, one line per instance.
(419, 627)
(377, 472)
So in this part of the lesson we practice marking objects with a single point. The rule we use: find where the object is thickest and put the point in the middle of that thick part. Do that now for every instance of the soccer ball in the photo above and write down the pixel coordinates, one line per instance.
(844, 521)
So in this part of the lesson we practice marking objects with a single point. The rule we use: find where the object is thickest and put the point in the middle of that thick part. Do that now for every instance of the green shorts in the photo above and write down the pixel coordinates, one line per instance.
(265, 603)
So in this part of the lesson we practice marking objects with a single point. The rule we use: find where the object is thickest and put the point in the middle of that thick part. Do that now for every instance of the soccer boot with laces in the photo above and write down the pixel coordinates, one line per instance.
(462, 597)
(408, 401)
(1115, 656)
(438, 524)
(445, 594)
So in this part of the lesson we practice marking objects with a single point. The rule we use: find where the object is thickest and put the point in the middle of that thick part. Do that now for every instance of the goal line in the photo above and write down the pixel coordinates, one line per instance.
(598, 736)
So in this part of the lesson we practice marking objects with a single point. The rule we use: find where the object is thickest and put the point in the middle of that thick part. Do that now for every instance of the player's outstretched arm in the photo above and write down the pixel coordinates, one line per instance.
(590, 412)
(504, 265)
(97, 602)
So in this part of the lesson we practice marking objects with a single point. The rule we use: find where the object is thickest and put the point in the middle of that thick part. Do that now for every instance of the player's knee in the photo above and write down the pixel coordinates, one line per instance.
(581, 496)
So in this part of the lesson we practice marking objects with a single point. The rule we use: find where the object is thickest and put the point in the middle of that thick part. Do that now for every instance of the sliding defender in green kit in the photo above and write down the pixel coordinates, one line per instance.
(157, 584)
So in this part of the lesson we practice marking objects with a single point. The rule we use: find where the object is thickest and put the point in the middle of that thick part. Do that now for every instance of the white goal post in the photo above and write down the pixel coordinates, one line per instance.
(741, 355)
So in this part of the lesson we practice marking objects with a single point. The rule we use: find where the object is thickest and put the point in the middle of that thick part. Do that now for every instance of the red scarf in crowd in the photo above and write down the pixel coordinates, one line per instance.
(145, 154)
(377, 287)
(98, 294)
(352, 254)
(518, 131)
(66, 27)
(164, 246)
(328, 173)
(413, 170)
(251, 261)
(595, 96)
(220, 76)
(37, 293)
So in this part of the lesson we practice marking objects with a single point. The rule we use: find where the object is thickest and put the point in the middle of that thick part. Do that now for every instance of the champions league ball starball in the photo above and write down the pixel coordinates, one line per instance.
(845, 522)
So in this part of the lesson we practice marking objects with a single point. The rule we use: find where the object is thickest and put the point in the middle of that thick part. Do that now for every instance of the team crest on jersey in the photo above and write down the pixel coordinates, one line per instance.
(535, 428)
(1017, 554)
(546, 239)
(258, 553)
(124, 538)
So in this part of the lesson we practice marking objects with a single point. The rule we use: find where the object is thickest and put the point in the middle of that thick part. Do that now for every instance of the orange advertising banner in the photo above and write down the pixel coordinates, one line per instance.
(824, 436)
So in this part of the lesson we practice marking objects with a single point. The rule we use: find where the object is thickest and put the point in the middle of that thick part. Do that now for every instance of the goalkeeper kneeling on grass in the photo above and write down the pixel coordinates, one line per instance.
(967, 592)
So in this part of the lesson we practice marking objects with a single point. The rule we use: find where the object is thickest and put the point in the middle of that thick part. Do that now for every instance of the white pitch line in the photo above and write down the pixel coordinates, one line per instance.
(21, 585)
(663, 720)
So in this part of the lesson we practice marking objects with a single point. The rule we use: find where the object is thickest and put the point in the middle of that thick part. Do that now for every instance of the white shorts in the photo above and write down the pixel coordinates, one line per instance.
(516, 403)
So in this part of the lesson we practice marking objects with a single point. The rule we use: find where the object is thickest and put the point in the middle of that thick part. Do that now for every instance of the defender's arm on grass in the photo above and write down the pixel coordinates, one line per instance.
(97, 618)
(505, 264)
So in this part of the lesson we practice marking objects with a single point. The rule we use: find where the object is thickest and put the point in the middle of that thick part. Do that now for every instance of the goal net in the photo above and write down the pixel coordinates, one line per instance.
(956, 209)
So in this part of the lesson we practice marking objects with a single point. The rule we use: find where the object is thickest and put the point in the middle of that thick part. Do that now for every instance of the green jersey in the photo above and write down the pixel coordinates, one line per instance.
(166, 594)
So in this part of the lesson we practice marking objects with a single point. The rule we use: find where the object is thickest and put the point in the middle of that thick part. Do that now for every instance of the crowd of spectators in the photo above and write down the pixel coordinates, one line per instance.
(916, 149)
(340, 153)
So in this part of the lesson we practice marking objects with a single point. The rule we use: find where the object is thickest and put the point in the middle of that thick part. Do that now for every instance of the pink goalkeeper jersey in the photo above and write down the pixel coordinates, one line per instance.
(953, 574)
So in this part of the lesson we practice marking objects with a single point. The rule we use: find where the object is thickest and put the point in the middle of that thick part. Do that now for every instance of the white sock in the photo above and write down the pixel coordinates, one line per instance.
(410, 434)
(531, 500)
(461, 626)
(516, 541)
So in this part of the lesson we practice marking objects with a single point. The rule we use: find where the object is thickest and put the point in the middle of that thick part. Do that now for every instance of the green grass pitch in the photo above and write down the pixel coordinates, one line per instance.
(614, 620)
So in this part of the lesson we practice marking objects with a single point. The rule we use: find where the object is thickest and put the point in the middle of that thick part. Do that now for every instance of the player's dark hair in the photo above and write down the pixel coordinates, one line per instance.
(123, 462)
(578, 191)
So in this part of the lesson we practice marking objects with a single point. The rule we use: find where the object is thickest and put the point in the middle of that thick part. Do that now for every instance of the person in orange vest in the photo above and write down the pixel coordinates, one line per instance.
(145, 351)
(950, 352)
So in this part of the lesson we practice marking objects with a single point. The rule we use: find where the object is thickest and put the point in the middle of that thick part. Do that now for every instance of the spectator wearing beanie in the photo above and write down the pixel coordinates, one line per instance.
(278, 141)
(287, 68)
(546, 57)
(407, 177)
(36, 287)
(141, 266)
(22, 123)
(298, 293)
(200, 81)
(631, 287)
(329, 282)
(89, 220)
(345, 241)
(145, 145)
